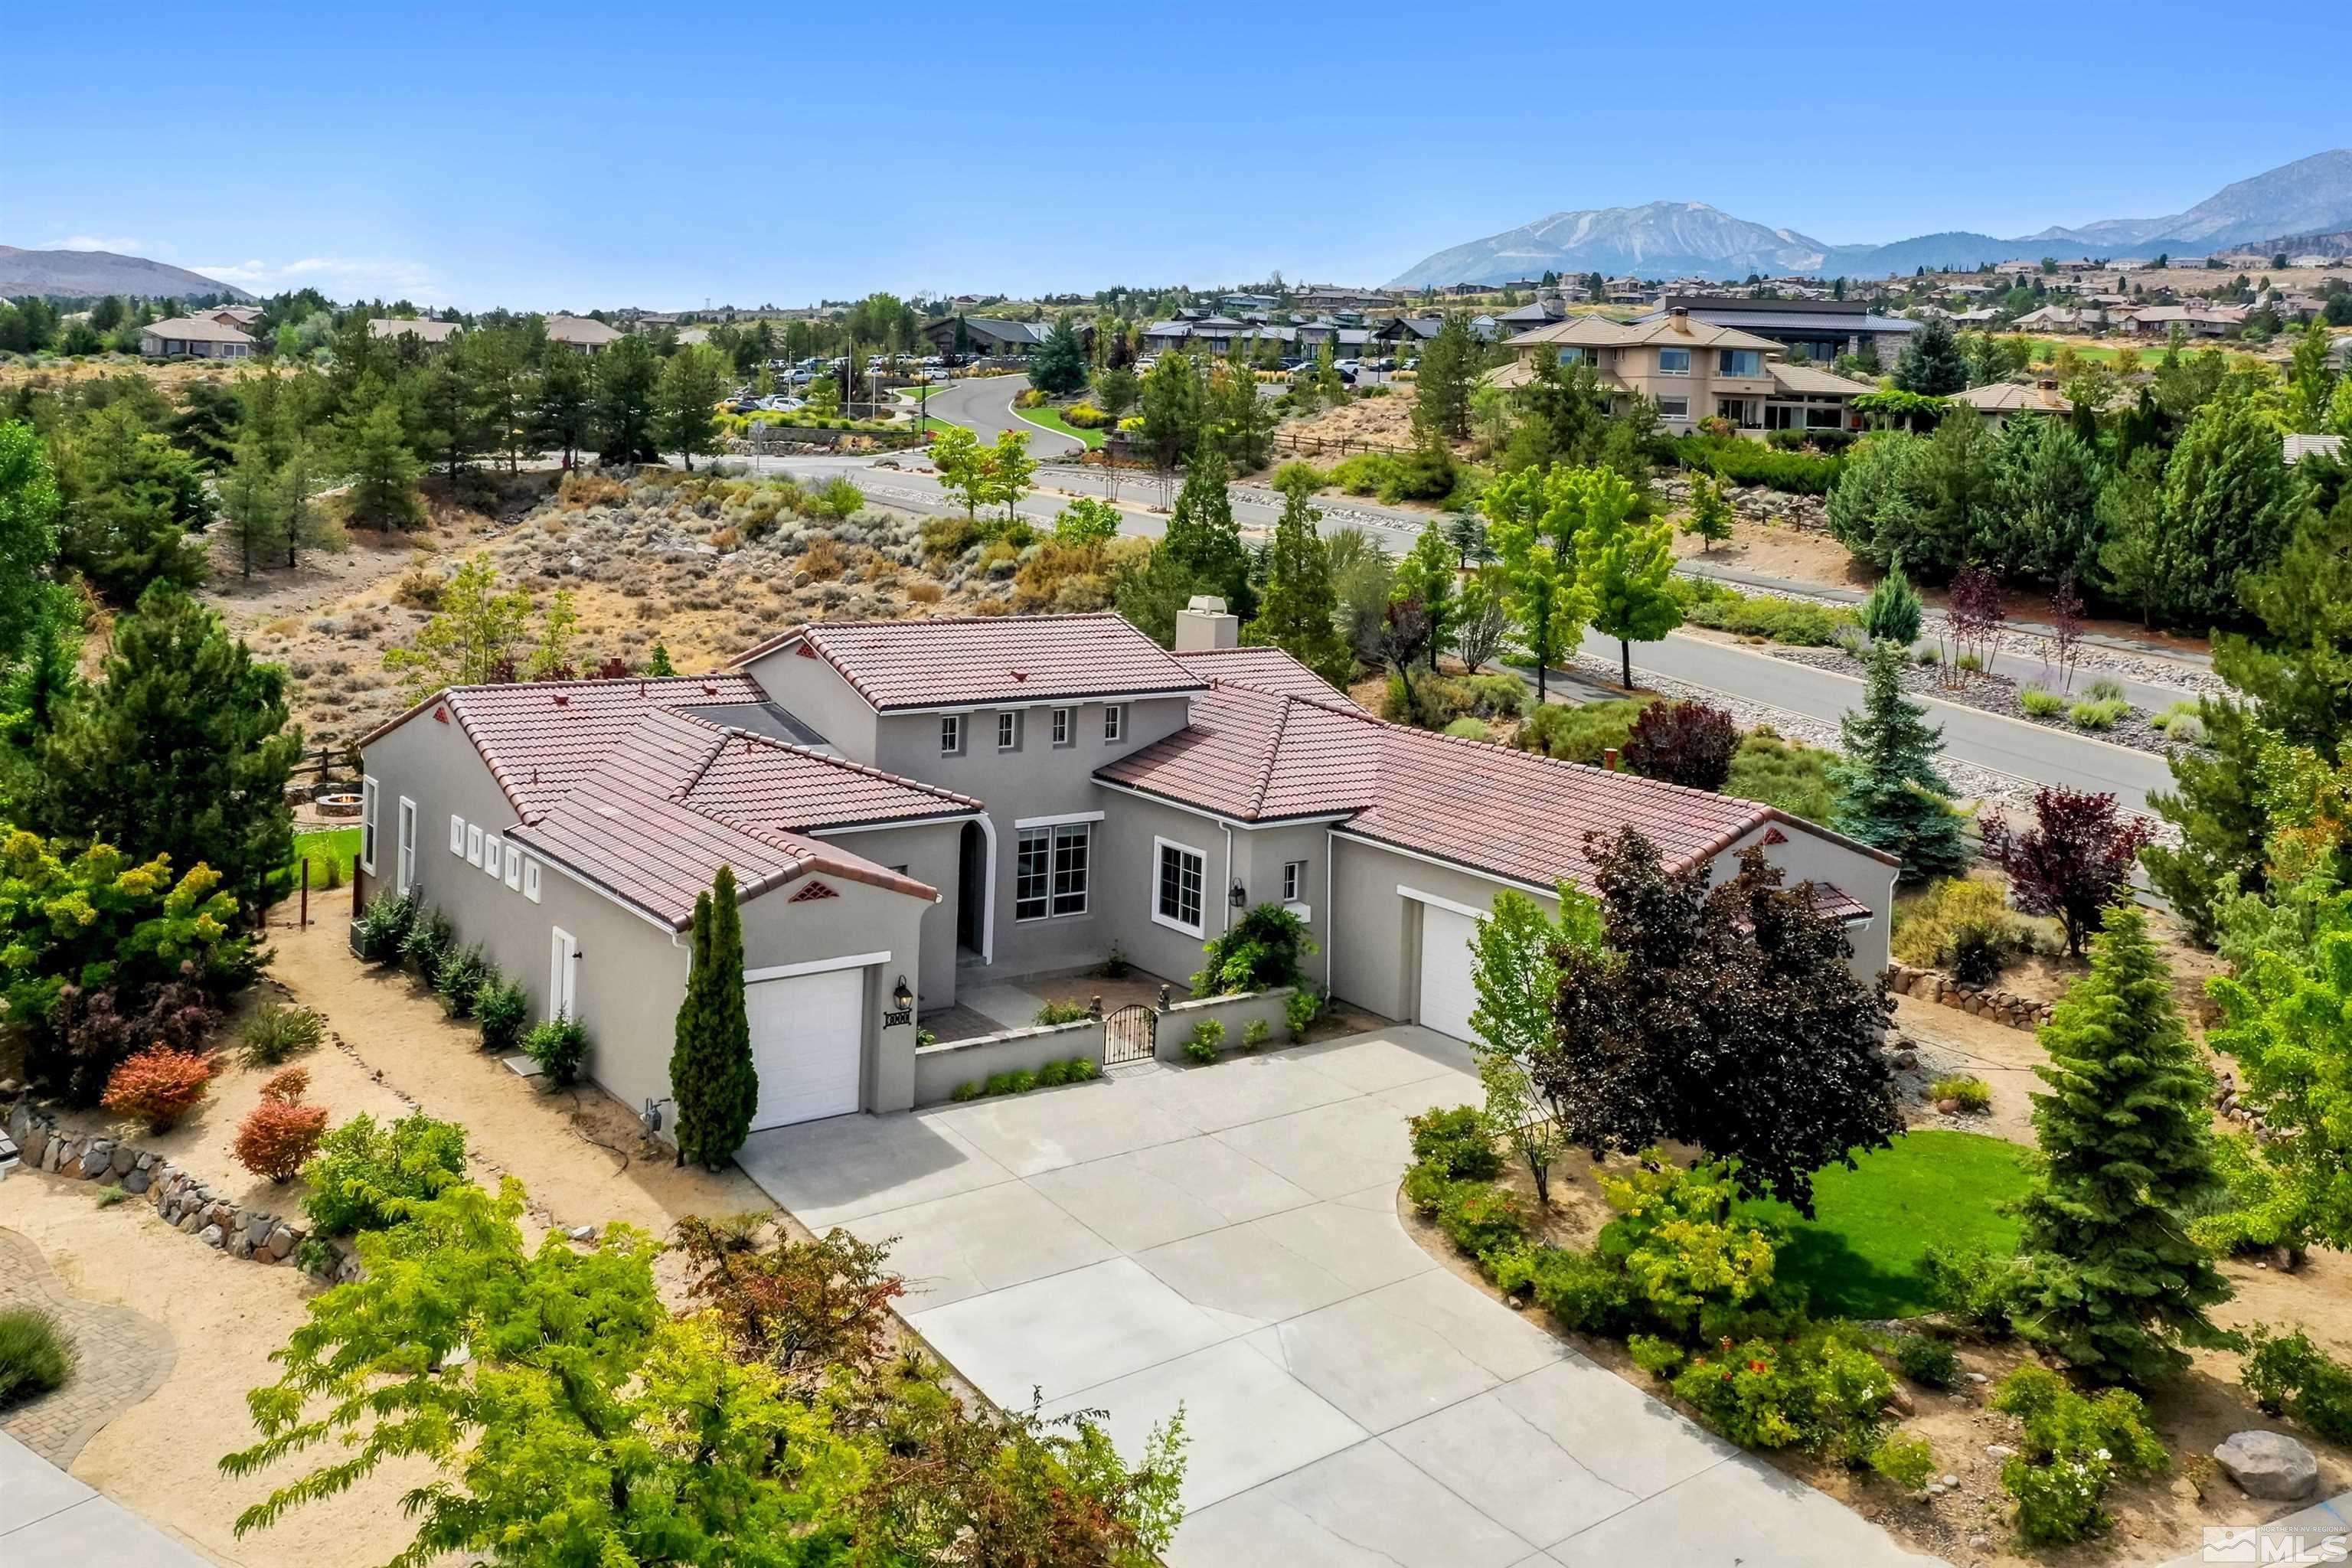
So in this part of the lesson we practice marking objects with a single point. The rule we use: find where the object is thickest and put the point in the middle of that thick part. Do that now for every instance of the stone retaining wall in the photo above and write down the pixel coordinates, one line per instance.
(185, 1201)
(1982, 1002)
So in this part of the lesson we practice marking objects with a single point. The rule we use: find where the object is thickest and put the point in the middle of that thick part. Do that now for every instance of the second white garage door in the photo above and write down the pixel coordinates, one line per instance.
(808, 1033)
(1446, 994)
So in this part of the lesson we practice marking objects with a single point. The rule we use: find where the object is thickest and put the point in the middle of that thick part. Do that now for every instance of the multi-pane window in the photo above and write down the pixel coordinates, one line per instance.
(1674, 361)
(367, 825)
(1063, 718)
(1739, 361)
(1180, 880)
(1008, 730)
(1673, 408)
(1115, 722)
(950, 734)
(1294, 880)
(1049, 875)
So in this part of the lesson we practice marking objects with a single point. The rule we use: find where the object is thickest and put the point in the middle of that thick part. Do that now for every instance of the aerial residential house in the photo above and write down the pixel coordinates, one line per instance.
(2200, 319)
(1820, 330)
(2061, 319)
(1693, 370)
(991, 337)
(1329, 297)
(241, 316)
(582, 334)
(914, 809)
(198, 335)
(387, 328)
(1984, 318)
(2002, 399)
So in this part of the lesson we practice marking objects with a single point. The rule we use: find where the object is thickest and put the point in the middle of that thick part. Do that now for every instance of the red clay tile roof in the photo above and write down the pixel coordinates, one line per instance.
(1268, 669)
(1839, 904)
(979, 659)
(612, 783)
(1261, 756)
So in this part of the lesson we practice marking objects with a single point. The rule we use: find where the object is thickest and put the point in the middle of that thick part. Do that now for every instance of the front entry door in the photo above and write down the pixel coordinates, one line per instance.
(563, 976)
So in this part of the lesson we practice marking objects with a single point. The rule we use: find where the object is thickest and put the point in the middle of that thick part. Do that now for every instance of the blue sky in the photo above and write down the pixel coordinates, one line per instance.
(591, 154)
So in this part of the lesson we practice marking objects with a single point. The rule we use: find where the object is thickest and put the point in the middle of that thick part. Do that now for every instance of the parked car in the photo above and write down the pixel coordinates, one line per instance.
(1381, 363)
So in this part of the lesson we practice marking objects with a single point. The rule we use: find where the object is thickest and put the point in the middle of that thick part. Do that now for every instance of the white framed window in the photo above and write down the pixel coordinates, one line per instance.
(490, 857)
(405, 851)
(1115, 722)
(1065, 719)
(473, 844)
(1008, 729)
(367, 825)
(1051, 870)
(950, 734)
(1674, 361)
(1673, 408)
(1294, 880)
(1739, 361)
(457, 834)
(1178, 887)
(514, 867)
(530, 880)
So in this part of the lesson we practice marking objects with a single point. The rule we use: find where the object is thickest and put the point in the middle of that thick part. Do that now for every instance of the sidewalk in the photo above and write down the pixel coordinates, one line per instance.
(46, 1515)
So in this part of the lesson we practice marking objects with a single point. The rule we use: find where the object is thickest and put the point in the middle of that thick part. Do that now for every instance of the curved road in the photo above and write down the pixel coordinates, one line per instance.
(983, 404)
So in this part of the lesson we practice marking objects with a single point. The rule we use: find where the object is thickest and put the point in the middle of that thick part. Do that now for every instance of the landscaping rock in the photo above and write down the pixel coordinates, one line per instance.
(1901, 1402)
(137, 1181)
(125, 1160)
(211, 1236)
(32, 1143)
(2268, 1465)
(280, 1243)
(97, 1160)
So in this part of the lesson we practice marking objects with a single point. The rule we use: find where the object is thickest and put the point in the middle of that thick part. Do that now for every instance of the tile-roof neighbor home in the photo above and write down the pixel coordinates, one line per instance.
(1812, 379)
(982, 659)
(202, 336)
(2005, 397)
(1266, 668)
(417, 327)
(1599, 331)
(2298, 448)
(582, 334)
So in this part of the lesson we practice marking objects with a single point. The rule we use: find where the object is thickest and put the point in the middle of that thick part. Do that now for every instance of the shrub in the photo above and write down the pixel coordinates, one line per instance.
(2188, 728)
(2106, 688)
(363, 1169)
(2098, 715)
(1020, 1082)
(1794, 777)
(1926, 1361)
(968, 1091)
(502, 1008)
(1747, 462)
(1688, 743)
(1906, 1458)
(1436, 701)
(1931, 653)
(159, 1085)
(1971, 662)
(1208, 1035)
(1468, 729)
(1426, 1188)
(1581, 1292)
(1498, 696)
(426, 944)
(1822, 1391)
(1300, 1010)
(1963, 923)
(1254, 1034)
(1053, 1075)
(1579, 734)
(2290, 1375)
(279, 1135)
(383, 926)
(1481, 1219)
(1975, 1286)
(277, 1031)
(460, 979)
(36, 1357)
(1974, 1095)
(1260, 953)
(1063, 1013)
(1460, 1143)
(1084, 1069)
(1796, 622)
(2073, 1447)
(557, 1046)
(2040, 704)
(1693, 1263)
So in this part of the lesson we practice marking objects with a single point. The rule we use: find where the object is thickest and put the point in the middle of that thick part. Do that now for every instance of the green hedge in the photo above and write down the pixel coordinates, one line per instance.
(1756, 463)
(1799, 622)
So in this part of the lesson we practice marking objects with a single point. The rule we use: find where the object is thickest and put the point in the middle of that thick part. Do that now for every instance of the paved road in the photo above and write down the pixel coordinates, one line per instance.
(983, 404)
(1226, 1238)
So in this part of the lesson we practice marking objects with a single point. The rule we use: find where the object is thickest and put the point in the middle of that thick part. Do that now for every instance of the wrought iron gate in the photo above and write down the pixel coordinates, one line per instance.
(1130, 1034)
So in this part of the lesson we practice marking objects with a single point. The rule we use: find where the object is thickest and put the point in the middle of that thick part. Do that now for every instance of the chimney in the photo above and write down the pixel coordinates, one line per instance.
(1204, 626)
(1608, 758)
(1679, 318)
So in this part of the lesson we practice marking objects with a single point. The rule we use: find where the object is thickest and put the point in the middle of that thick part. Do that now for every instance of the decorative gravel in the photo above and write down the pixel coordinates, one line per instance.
(1992, 694)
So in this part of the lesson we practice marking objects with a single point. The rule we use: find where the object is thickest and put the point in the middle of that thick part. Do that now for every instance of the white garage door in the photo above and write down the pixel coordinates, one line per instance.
(807, 1035)
(1446, 994)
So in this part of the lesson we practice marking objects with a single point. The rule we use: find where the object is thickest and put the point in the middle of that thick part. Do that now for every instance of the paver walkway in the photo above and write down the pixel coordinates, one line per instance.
(1226, 1238)
(124, 1356)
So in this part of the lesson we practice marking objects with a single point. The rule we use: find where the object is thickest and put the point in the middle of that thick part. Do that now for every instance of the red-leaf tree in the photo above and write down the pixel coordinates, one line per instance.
(2074, 860)
(1682, 742)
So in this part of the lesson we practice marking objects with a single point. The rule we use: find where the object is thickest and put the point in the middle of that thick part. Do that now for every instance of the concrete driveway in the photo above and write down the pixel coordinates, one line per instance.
(1226, 1238)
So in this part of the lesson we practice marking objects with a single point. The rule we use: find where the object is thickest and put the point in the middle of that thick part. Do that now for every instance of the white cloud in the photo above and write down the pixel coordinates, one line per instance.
(121, 244)
(337, 277)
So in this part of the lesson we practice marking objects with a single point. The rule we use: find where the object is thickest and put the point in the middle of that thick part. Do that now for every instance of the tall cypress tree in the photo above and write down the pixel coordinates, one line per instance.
(1890, 794)
(712, 1075)
(2116, 1285)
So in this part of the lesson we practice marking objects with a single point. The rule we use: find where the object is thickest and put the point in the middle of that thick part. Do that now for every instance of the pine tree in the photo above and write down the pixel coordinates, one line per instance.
(28, 533)
(710, 1070)
(1931, 363)
(657, 663)
(2116, 1286)
(563, 415)
(626, 399)
(251, 507)
(1427, 574)
(1299, 614)
(1059, 364)
(692, 385)
(1890, 794)
(384, 470)
(1203, 539)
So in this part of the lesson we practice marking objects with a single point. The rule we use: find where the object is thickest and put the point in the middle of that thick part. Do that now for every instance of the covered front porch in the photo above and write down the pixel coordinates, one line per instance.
(989, 1003)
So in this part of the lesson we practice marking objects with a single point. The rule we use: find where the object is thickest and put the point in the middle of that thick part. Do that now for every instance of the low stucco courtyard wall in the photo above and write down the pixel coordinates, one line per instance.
(1236, 1013)
(941, 1070)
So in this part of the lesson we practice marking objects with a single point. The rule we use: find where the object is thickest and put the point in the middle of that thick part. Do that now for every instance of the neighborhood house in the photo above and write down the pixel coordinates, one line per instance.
(207, 337)
(1693, 370)
(914, 807)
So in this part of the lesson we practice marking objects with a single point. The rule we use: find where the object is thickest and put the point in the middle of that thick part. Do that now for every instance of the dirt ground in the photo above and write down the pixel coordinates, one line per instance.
(1385, 421)
(1799, 556)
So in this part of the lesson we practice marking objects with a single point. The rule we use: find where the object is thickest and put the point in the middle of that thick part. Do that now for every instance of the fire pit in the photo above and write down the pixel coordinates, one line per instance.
(342, 803)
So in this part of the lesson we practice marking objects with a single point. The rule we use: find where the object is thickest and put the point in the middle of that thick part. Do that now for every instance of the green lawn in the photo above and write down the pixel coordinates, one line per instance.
(330, 852)
(1859, 1255)
(1051, 418)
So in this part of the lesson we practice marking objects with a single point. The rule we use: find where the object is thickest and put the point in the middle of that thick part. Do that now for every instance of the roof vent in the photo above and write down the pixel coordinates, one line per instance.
(440, 715)
(563, 700)
(709, 691)
(1018, 674)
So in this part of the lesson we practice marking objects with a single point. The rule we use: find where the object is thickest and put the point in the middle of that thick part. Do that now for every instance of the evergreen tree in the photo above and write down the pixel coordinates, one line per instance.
(1059, 367)
(454, 405)
(1890, 794)
(1448, 369)
(1931, 363)
(28, 536)
(1710, 515)
(626, 401)
(1427, 574)
(2115, 1284)
(1204, 540)
(384, 470)
(129, 500)
(692, 383)
(1892, 611)
(1300, 612)
(2225, 512)
(2047, 481)
(183, 750)
(2127, 507)
(1626, 572)
(563, 415)
(250, 505)
(657, 662)
(711, 1074)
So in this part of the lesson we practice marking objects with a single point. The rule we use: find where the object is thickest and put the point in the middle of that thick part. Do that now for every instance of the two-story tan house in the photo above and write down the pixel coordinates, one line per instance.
(1692, 370)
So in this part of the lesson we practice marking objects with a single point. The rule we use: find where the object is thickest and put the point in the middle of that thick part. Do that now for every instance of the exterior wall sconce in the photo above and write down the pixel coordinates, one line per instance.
(902, 998)
(1238, 896)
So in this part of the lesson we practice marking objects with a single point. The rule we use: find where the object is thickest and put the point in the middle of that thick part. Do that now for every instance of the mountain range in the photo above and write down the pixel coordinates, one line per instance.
(1665, 239)
(76, 273)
